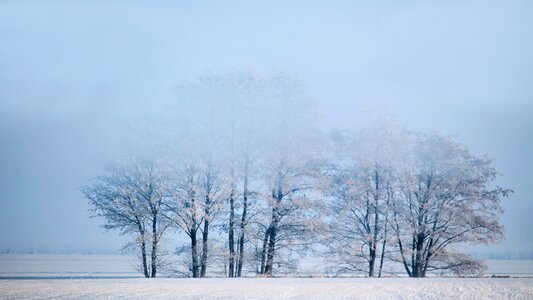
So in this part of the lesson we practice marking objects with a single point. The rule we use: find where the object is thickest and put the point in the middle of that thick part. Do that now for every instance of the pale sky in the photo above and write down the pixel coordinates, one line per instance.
(72, 73)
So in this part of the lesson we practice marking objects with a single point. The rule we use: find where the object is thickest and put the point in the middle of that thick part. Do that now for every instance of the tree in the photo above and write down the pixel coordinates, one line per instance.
(359, 182)
(210, 189)
(358, 228)
(130, 197)
(287, 152)
(447, 201)
(244, 214)
(288, 203)
(407, 197)
(232, 120)
(210, 124)
(184, 209)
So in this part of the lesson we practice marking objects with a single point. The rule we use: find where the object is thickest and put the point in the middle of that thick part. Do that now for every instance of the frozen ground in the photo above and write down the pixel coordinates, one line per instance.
(264, 288)
(29, 276)
(39, 266)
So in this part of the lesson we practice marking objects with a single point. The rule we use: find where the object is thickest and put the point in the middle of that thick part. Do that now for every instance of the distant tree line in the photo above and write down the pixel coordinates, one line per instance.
(237, 167)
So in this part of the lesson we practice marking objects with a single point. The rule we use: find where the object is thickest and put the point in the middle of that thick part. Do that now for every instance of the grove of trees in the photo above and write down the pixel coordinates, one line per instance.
(235, 179)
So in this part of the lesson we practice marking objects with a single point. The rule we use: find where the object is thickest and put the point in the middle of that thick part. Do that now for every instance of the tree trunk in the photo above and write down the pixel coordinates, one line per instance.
(272, 240)
(372, 261)
(243, 225)
(193, 229)
(278, 195)
(385, 232)
(382, 255)
(194, 252)
(418, 267)
(271, 251)
(373, 247)
(154, 246)
(421, 234)
(205, 235)
(404, 261)
(399, 240)
(374, 243)
(231, 237)
(263, 252)
(143, 253)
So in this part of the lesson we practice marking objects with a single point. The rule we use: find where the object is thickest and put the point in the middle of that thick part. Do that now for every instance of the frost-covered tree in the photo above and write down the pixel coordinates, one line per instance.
(286, 228)
(130, 198)
(447, 200)
(407, 197)
(251, 185)
(210, 206)
(245, 123)
(359, 184)
(191, 208)
(287, 179)
(358, 220)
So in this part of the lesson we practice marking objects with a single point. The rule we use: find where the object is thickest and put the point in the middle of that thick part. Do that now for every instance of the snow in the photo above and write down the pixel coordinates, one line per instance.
(67, 266)
(271, 288)
(28, 276)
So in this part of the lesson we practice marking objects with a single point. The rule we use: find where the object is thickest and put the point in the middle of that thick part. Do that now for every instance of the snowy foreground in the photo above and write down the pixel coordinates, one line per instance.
(51, 276)
(276, 288)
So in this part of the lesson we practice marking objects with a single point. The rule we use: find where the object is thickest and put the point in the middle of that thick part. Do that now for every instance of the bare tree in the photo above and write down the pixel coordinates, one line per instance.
(184, 210)
(359, 179)
(238, 114)
(285, 200)
(244, 214)
(210, 189)
(284, 160)
(358, 225)
(130, 199)
(417, 195)
(447, 201)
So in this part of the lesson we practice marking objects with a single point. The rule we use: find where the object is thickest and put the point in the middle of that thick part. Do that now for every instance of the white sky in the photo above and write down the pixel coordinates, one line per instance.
(72, 72)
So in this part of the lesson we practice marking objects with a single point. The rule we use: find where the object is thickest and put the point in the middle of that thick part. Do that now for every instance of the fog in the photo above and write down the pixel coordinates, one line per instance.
(75, 77)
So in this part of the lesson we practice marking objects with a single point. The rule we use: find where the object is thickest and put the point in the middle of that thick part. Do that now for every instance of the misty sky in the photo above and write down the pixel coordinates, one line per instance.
(73, 73)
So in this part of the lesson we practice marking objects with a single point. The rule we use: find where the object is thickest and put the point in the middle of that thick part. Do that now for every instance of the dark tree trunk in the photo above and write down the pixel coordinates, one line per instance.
(243, 225)
(205, 236)
(194, 252)
(263, 252)
(374, 243)
(154, 246)
(143, 253)
(382, 257)
(140, 227)
(271, 250)
(192, 230)
(400, 244)
(418, 264)
(404, 261)
(385, 232)
(373, 247)
(372, 261)
(273, 228)
(231, 233)
(143, 248)
(272, 236)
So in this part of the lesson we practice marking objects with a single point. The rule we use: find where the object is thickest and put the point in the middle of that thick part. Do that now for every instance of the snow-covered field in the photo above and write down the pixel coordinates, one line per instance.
(69, 266)
(37, 266)
(28, 276)
(276, 288)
